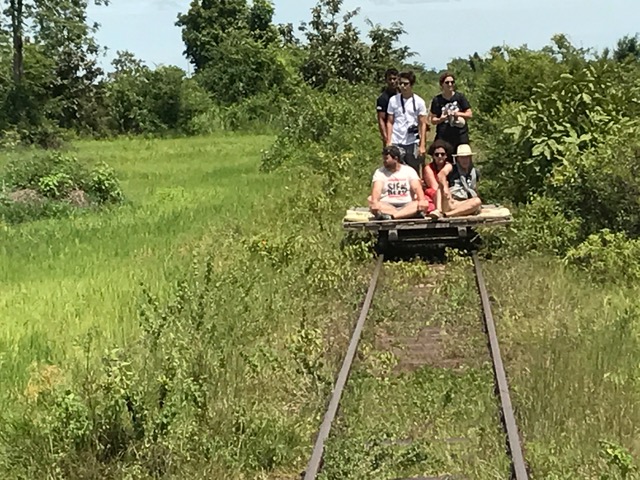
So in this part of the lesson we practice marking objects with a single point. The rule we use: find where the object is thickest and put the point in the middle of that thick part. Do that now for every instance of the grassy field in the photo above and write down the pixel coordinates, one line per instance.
(228, 366)
(573, 351)
(60, 279)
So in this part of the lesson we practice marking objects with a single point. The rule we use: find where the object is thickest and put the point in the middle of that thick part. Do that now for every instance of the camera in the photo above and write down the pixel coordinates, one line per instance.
(413, 129)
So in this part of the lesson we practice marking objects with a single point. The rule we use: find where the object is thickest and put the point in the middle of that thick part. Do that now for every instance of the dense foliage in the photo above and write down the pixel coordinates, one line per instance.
(54, 184)
(557, 129)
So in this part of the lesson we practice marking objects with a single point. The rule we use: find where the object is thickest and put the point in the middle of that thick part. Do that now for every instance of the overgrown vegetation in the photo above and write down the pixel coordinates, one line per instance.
(221, 368)
(53, 184)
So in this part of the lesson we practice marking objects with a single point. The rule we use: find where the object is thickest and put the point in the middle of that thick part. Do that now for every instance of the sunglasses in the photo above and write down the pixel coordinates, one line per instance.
(405, 84)
(440, 154)
(451, 82)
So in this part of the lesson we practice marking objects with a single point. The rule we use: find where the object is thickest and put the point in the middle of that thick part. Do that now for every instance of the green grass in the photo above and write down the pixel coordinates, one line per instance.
(572, 349)
(247, 343)
(61, 278)
(226, 365)
(416, 406)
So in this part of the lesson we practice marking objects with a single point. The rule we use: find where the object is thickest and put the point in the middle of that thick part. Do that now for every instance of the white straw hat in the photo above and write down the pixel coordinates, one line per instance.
(463, 150)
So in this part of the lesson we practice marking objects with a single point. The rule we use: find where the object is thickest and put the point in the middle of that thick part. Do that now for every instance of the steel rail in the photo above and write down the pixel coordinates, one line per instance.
(519, 468)
(315, 462)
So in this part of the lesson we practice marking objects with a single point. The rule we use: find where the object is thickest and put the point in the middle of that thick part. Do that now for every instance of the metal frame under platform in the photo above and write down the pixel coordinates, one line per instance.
(443, 231)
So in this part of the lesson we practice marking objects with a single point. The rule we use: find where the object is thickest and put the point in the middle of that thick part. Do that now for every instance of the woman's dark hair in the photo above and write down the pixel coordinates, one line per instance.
(448, 149)
(445, 75)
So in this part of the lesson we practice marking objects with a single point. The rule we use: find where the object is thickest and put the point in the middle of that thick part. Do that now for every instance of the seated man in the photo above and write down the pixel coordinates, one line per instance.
(396, 191)
(459, 185)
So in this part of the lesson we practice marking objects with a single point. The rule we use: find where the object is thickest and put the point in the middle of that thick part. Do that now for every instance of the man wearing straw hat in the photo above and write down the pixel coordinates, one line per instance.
(459, 185)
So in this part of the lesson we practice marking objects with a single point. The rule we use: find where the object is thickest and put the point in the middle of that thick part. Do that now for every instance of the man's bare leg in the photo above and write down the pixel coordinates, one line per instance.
(408, 211)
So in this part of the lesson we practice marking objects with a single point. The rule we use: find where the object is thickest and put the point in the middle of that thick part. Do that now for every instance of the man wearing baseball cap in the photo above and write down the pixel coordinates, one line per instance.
(396, 190)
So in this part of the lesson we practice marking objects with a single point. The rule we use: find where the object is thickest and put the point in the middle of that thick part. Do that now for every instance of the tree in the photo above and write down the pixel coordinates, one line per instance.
(61, 27)
(334, 49)
(54, 68)
(16, 13)
(627, 48)
(207, 24)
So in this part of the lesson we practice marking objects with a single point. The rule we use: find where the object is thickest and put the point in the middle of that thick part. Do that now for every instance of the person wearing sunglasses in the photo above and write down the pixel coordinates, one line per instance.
(441, 155)
(407, 122)
(450, 112)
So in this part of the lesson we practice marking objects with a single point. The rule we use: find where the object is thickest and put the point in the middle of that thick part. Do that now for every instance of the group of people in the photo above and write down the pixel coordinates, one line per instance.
(406, 186)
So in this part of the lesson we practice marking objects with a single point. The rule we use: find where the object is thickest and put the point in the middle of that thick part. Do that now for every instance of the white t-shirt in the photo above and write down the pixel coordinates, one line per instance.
(413, 107)
(396, 187)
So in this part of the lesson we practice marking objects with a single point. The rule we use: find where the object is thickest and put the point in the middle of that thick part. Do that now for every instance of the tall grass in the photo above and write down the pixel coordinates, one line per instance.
(573, 350)
(192, 333)
(61, 278)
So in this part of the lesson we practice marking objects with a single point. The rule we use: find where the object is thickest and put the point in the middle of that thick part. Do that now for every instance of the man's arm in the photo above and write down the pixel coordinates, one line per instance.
(382, 126)
(416, 189)
(391, 109)
(422, 128)
(376, 193)
(390, 118)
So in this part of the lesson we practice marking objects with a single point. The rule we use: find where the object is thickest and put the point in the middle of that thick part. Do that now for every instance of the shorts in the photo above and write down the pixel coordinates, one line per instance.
(396, 205)
(430, 195)
(411, 157)
(454, 140)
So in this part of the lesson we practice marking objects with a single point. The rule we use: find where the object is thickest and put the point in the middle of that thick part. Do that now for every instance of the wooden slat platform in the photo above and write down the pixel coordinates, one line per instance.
(490, 215)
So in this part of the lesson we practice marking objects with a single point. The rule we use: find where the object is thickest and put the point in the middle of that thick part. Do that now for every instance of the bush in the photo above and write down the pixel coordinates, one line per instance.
(327, 132)
(264, 109)
(54, 184)
(607, 257)
(541, 226)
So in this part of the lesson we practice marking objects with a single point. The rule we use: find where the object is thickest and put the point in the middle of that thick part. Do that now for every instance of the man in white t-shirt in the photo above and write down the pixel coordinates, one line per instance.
(396, 191)
(407, 122)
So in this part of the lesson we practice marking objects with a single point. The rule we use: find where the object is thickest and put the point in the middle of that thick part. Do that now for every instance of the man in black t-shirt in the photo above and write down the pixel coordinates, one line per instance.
(391, 89)
(450, 111)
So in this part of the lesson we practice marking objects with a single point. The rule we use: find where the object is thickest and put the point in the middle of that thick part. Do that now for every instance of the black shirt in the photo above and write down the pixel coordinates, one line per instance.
(444, 130)
(383, 101)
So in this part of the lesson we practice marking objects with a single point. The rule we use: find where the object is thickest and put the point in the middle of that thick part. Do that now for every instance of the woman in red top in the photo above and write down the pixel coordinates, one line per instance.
(441, 153)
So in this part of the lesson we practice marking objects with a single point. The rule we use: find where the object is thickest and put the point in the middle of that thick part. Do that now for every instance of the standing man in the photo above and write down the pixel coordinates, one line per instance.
(391, 89)
(450, 111)
(407, 122)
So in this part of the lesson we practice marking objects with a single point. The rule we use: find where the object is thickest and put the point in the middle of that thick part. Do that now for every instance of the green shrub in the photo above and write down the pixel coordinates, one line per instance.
(541, 226)
(601, 186)
(48, 173)
(607, 256)
(52, 185)
(327, 132)
(264, 109)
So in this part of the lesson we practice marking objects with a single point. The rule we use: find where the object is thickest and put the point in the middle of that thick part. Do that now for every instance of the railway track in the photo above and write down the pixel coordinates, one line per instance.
(514, 447)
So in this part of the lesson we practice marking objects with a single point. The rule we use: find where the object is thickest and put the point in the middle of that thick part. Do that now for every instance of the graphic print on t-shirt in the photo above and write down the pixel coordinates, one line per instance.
(451, 108)
(396, 187)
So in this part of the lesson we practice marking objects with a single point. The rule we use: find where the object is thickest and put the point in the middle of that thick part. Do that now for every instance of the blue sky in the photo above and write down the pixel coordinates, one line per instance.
(437, 30)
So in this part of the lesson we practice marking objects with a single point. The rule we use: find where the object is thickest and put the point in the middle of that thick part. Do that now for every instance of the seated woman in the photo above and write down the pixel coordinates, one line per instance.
(459, 183)
(396, 191)
(440, 152)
